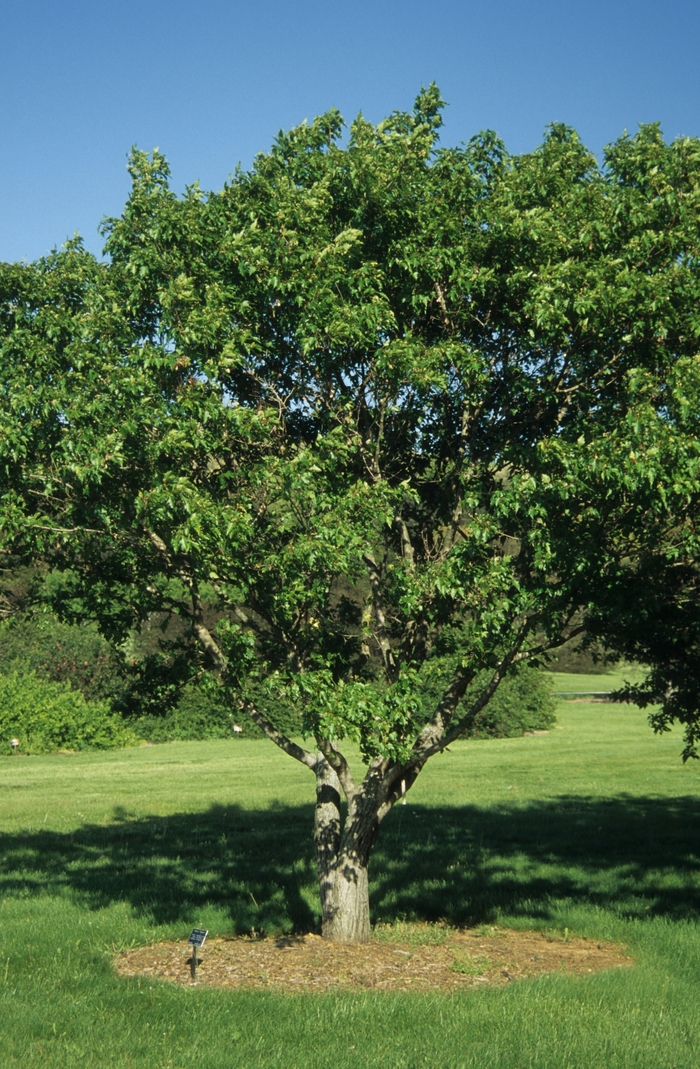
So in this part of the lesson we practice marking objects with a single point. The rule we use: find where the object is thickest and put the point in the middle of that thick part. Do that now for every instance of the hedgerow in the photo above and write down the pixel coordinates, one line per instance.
(46, 716)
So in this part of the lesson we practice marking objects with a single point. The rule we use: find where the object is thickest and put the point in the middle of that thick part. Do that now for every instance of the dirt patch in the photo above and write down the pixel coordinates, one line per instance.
(426, 959)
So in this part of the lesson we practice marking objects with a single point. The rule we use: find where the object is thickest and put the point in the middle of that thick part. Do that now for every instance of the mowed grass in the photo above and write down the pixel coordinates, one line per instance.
(591, 683)
(591, 830)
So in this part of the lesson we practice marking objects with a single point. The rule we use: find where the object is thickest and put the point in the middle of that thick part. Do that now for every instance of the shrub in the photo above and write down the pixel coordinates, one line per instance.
(197, 716)
(47, 717)
(208, 714)
(66, 653)
(582, 656)
(523, 702)
(77, 655)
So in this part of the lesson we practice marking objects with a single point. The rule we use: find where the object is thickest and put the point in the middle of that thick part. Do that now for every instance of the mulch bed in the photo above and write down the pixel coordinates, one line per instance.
(458, 959)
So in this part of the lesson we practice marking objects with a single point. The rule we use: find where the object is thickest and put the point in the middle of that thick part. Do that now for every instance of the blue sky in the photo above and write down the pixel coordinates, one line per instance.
(210, 84)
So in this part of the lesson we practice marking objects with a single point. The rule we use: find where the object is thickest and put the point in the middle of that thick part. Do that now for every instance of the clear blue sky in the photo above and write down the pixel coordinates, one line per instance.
(211, 83)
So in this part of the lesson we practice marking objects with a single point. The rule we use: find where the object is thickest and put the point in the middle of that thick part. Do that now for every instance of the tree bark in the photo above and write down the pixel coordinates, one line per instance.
(326, 835)
(347, 919)
(342, 859)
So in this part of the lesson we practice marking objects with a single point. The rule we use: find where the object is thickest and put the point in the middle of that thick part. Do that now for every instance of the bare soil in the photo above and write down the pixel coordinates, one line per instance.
(428, 959)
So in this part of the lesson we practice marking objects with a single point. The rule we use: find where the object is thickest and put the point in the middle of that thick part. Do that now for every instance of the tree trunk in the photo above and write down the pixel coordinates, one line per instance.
(326, 835)
(347, 919)
(342, 860)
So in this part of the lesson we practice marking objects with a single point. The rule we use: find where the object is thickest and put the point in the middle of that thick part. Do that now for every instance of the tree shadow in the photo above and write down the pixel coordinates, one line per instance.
(639, 856)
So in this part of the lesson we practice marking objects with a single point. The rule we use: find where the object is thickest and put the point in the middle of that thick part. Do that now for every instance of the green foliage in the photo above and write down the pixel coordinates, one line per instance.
(17, 583)
(370, 391)
(210, 713)
(196, 716)
(77, 655)
(47, 716)
(582, 657)
(522, 703)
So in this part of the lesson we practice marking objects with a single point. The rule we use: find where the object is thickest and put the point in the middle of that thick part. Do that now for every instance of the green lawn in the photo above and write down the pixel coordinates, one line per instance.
(592, 827)
(590, 683)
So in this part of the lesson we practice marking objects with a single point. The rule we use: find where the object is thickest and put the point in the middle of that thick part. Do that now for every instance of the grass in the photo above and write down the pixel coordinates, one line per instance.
(591, 683)
(589, 830)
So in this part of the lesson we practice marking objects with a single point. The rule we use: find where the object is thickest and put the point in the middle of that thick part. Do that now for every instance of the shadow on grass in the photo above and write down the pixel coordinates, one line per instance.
(634, 855)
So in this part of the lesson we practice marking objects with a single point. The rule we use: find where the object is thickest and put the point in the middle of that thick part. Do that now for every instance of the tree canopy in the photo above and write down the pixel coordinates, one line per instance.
(408, 416)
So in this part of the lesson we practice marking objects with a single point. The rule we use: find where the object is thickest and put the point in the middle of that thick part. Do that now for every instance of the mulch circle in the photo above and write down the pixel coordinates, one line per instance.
(432, 960)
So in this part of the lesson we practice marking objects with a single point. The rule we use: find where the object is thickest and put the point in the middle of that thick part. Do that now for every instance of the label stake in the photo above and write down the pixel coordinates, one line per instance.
(197, 939)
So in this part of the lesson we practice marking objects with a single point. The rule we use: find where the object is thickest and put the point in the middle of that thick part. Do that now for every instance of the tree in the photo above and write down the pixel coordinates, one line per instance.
(650, 611)
(385, 404)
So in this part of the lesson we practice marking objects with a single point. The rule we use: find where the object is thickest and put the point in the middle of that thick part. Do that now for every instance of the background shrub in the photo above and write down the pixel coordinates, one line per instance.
(79, 658)
(46, 716)
(581, 655)
(66, 653)
(197, 715)
(523, 702)
(211, 714)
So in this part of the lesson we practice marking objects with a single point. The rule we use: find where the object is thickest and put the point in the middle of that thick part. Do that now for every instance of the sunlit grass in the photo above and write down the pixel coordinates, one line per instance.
(596, 682)
(591, 828)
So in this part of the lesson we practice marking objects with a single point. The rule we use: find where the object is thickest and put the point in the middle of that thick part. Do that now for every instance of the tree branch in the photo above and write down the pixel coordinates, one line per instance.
(289, 747)
(378, 614)
(339, 765)
(443, 306)
(534, 651)
(437, 735)
(407, 550)
(434, 730)
(158, 542)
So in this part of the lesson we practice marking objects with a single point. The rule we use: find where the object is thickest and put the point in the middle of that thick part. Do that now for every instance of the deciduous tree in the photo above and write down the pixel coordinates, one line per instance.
(406, 413)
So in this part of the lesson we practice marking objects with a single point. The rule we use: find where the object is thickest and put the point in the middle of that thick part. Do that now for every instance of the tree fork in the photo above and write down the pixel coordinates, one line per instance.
(342, 857)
